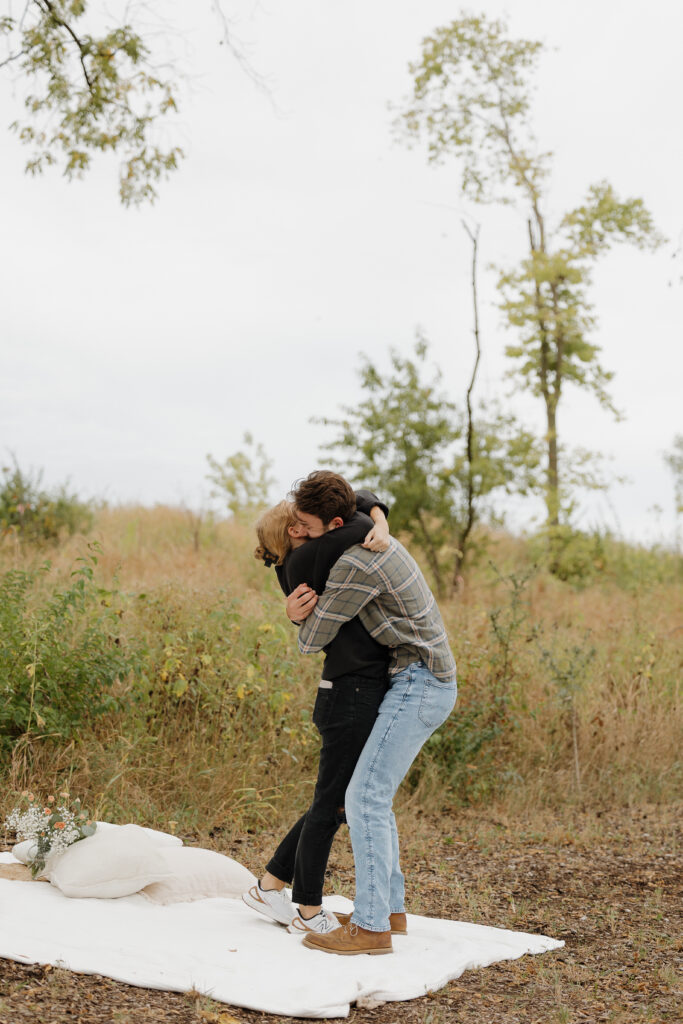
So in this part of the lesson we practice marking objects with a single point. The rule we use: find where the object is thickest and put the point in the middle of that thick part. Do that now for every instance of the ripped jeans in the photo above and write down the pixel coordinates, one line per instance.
(416, 704)
(344, 714)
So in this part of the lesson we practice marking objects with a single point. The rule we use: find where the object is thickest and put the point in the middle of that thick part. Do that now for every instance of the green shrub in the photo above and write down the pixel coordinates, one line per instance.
(220, 673)
(37, 515)
(583, 558)
(61, 653)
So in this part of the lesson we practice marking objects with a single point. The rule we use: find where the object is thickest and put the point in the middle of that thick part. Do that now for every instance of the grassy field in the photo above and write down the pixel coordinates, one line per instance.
(162, 683)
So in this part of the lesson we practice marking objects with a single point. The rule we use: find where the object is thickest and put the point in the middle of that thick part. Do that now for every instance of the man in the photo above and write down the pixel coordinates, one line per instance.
(388, 593)
(353, 684)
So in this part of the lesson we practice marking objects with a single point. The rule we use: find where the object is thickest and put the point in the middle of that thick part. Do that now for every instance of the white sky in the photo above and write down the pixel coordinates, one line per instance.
(297, 235)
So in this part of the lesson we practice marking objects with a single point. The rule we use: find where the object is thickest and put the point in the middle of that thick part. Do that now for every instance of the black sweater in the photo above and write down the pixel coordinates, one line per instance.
(353, 650)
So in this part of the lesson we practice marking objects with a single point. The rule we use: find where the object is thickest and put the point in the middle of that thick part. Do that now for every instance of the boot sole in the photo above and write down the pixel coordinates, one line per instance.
(347, 952)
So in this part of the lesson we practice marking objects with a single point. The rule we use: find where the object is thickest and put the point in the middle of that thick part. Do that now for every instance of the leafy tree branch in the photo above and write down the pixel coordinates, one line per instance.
(90, 92)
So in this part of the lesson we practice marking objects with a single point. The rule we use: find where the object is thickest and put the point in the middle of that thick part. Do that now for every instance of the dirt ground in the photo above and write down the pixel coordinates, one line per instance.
(608, 883)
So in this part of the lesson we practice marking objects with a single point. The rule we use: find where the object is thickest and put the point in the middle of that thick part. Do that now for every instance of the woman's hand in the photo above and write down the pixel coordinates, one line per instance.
(300, 603)
(378, 538)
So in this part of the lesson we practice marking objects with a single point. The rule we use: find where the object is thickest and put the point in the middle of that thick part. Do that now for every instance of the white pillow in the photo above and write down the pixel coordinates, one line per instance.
(162, 838)
(196, 874)
(111, 863)
(24, 851)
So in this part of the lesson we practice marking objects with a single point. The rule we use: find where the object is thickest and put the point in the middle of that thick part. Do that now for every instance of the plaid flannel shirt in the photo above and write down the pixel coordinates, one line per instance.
(388, 592)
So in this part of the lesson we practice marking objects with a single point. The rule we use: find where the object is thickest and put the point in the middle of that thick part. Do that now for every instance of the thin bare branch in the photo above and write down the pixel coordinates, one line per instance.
(230, 41)
(13, 56)
(20, 26)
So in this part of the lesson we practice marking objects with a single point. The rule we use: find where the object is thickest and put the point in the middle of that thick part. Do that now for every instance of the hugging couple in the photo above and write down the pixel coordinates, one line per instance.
(388, 681)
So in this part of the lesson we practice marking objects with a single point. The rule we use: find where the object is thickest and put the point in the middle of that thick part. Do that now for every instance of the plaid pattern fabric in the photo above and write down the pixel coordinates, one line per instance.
(389, 594)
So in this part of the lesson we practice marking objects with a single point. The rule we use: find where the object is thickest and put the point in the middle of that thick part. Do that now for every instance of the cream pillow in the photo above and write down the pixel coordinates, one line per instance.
(24, 851)
(112, 863)
(162, 838)
(196, 874)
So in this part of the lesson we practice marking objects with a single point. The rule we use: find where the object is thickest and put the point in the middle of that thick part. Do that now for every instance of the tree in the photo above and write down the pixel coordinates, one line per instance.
(412, 443)
(243, 480)
(90, 92)
(674, 460)
(471, 100)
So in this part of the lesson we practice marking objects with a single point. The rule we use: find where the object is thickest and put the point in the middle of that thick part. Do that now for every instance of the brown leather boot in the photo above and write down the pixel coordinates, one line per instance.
(349, 941)
(397, 922)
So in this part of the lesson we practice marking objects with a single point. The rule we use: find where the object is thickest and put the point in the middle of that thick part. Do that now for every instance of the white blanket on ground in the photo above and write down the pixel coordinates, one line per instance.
(224, 950)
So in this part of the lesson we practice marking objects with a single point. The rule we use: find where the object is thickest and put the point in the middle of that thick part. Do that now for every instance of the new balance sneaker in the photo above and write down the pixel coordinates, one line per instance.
(323, 922)
(271, 903)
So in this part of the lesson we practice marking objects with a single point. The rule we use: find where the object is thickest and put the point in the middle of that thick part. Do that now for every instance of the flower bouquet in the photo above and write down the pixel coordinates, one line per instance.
(52, 828)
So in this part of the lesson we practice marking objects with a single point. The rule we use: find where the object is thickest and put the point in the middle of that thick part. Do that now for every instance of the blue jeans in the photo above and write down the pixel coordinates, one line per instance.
(414, 707)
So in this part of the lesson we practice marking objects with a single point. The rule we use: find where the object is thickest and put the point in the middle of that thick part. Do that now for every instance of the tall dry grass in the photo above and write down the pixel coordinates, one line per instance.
(567, 696)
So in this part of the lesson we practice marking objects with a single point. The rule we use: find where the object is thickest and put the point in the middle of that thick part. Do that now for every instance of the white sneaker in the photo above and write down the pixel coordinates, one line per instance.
(271, 903)
(323, 921)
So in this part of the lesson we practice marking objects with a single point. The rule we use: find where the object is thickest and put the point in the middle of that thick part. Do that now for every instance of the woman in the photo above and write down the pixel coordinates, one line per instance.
(353, 685)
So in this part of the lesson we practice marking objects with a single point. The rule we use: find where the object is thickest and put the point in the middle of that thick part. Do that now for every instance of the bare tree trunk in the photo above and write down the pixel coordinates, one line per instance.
(432, 556)
(470, 498)
(553, 488)
(553, 465)
(575, 744)
(549, 397)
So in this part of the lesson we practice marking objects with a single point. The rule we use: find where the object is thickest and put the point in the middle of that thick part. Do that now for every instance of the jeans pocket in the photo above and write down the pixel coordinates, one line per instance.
(437, 703)
(324, 702)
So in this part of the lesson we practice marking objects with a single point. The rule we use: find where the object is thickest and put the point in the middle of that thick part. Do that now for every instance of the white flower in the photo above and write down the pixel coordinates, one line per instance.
(50, 839)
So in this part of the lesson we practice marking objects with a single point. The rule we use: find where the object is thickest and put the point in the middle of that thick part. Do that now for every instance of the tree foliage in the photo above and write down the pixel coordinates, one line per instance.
(90, 91)
(243, 480)
(471, 99)
(409, 440)
(674, 460)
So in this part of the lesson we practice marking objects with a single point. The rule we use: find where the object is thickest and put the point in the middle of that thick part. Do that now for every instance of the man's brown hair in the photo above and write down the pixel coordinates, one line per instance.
(325, 494)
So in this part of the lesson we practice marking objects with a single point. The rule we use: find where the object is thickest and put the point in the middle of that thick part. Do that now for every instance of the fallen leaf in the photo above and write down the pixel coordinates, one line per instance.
(368, 1003)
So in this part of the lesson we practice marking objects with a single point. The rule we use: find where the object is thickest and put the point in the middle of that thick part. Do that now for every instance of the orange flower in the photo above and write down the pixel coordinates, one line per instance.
(47, 810)
(50, 799)
(31, 798)
(60, 824)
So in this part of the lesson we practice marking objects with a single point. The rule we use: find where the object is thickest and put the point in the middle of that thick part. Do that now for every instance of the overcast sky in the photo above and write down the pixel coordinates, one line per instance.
(297, 235)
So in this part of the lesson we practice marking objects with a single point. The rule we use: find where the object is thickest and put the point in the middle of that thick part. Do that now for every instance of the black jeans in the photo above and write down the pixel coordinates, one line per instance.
(344, 715)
